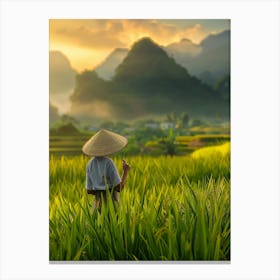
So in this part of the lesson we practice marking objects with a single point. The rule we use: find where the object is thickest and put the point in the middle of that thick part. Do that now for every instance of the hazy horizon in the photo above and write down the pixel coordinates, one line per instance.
(86, 43)
(80, 45)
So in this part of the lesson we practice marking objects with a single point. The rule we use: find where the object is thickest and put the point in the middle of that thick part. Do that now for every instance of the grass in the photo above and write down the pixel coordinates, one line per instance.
(172, 208)
(60, 145)
(209, 138)
(72, 145)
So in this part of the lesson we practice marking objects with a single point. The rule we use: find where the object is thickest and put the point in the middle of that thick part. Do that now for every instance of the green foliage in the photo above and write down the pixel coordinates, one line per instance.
(147, 141)
(196, 123)
(118, 127)
(223, 87)
(53, 113)
(168, 145)
(132, 148)
(184, 120)
(67, 119)
(147, 61)
(142, 135)
(88, 86)
(180, 122)
(172, 117)
(68, 129)
(175, 208)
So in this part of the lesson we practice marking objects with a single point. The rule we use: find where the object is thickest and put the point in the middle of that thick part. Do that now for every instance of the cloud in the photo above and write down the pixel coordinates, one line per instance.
(162, 32)
(88, 41)
(61, 102)
(109, 34)
(197, 33)
(87, 34)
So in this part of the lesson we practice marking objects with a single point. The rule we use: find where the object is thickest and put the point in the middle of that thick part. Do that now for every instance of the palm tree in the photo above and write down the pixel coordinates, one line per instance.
(168, 144)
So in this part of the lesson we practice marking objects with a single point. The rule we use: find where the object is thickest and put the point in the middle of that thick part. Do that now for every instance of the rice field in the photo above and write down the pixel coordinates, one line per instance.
(72, 145)
(171, 209)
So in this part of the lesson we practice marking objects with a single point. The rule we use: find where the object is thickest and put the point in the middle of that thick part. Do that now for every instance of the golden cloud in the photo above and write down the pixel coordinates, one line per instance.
(87, 41)
(82, 34)
(107, 34)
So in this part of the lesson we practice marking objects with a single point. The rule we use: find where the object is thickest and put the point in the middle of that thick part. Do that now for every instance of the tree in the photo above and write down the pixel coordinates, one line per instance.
(68, 119)
(172, 117)
(197, 122)
(223, 87)
(68, 129)
(107, 125)
(168, 144)
(183, 120)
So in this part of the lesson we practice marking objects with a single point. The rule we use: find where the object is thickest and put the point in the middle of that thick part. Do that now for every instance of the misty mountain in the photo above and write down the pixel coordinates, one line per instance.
(61, 80)
(62, 75)
(53, 113)
(212, 61)
(223, 87)
(208, 78)
(208, 61)
(147, 65)
(185, 50)
(215, 55)
(147, 82)
(106, 69)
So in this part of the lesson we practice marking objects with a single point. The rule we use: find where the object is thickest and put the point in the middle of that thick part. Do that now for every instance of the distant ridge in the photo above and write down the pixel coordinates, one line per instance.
(208, 61)
(147, 81)
(212, 56)
(106, 69)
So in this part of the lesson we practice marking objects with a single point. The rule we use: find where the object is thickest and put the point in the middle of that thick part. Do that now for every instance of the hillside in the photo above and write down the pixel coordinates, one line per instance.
(106, 69)
(148, 81)
(209, 61)
(214, 56)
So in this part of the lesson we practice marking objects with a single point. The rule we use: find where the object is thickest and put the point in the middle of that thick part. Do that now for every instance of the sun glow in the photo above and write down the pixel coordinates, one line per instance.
(87, 42)
(81, 58)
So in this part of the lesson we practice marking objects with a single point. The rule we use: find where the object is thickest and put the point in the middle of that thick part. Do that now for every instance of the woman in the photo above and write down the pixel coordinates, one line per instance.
(101, 172)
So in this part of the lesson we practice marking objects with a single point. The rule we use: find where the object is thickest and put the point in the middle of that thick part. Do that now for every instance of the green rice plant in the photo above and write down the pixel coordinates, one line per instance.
(172, 208)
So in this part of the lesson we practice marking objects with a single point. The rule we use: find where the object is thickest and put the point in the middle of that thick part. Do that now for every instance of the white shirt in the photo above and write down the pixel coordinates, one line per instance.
(101, 173)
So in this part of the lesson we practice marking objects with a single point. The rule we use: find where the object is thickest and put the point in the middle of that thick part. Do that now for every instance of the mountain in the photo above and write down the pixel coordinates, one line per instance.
(147, 82)
(184, 50)
(209, 61)
(207, 78)
(212, 56)
(62, 75)
(216, 40)
(223, 87)
(147, 64)
(53, 113)
(106, 69)
(215, 55)
(61, 80)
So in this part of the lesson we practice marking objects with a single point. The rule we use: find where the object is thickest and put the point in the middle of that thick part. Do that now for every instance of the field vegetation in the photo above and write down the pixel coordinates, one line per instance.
(172, 208)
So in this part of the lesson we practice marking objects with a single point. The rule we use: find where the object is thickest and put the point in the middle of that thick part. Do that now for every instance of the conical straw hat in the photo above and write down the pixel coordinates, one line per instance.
(104, 143)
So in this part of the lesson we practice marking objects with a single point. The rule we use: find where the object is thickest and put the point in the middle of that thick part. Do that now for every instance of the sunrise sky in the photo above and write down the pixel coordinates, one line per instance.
(87, 42)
